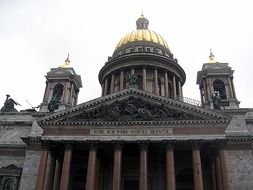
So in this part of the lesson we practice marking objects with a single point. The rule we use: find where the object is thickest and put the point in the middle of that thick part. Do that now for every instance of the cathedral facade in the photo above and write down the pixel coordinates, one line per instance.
(141, 134)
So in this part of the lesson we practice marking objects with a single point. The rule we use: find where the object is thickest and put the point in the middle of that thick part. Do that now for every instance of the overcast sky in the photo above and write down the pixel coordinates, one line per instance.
(37, 35)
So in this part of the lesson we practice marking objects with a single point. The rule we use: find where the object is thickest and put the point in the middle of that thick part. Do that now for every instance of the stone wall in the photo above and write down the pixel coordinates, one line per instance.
(6, 160)
(30, 170)
(240, 169)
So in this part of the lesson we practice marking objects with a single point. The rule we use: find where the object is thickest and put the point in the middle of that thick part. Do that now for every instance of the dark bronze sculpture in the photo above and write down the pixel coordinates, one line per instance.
(131, 108)
(56, 99)
(216, 100)
(9, 105)
(53, 104)
(132, 81)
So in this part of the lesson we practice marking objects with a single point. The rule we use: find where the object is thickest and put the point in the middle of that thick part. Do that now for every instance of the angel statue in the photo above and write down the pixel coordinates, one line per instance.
(9, 105)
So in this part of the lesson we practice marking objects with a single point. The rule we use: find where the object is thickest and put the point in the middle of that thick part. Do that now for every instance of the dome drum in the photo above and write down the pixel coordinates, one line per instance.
(163, 77)
(142, 60)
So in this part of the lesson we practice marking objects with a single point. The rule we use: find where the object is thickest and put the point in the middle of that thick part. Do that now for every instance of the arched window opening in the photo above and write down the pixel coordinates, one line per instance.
(9, 184)
(219, 86)
(58, 92)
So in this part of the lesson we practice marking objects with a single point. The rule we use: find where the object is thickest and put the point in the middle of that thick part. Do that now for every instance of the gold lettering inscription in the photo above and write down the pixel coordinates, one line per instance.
(126, 132)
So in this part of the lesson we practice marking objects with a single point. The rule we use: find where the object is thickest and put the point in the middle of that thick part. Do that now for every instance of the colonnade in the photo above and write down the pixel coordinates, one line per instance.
(174, 91)
(58, 175)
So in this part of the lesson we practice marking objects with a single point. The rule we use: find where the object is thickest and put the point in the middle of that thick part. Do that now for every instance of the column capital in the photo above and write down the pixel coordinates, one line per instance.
(220, 143)
(68, 145)
(118, 144)
(93, 144)
(196, 144)
(143, 144)
(54, 153)
(45, 144)
(169, 143)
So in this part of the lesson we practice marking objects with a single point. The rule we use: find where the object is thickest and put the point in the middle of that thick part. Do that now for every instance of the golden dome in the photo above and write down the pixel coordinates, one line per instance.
(142, 35)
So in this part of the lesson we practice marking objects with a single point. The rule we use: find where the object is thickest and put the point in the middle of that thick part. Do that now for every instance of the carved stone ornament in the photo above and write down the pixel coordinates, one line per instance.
(10, 177)
(131, 109)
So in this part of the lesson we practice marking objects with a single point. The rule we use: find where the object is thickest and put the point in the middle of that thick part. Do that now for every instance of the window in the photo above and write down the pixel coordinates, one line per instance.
(58, 91)
(219, 86)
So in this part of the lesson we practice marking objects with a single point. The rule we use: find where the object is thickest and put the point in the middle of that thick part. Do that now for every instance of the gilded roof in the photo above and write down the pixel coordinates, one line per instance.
(142, 35)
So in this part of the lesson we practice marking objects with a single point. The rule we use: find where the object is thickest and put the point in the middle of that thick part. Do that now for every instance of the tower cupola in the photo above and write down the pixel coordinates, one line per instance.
(62, 88)
(216, 85)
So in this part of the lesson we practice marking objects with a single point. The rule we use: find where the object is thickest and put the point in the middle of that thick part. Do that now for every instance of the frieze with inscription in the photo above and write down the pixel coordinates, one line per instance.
(134, 132)
(131, 108)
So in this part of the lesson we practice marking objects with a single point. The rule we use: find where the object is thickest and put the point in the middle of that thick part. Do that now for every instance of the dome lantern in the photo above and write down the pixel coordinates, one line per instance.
(142, 23)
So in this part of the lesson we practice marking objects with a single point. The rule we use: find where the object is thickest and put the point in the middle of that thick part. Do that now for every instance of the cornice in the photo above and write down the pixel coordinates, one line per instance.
(31, 140)
(140, 123)
(12, 146)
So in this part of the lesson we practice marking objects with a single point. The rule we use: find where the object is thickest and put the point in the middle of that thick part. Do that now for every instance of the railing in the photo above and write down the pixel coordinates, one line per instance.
(191, 101)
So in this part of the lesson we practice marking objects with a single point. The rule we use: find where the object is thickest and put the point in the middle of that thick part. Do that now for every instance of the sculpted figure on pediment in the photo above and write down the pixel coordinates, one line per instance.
(131, 109)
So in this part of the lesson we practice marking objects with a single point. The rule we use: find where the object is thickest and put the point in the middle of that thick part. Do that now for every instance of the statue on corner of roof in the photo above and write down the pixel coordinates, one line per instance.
(9, 105)
(216, 101)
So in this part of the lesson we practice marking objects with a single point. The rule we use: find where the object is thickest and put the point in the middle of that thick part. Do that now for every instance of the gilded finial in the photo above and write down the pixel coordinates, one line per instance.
(211, 57)
(142, 15)
(67, 62)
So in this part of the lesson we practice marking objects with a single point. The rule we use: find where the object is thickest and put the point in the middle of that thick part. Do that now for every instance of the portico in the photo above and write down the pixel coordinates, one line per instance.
(141, 165)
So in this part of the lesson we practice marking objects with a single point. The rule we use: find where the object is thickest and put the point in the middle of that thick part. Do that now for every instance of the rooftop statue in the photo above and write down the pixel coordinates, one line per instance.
(9, 105)
(132, 81)
(216, 100)
(55, 101)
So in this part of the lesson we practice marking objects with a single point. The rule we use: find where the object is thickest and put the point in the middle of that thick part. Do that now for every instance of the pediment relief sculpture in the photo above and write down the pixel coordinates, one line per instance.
(132, 108)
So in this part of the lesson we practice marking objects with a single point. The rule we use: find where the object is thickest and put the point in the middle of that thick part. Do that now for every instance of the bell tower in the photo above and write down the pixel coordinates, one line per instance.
(216, 85)
(62, 88)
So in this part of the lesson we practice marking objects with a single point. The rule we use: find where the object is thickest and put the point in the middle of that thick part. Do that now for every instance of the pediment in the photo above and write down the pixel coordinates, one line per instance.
(131, 105)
